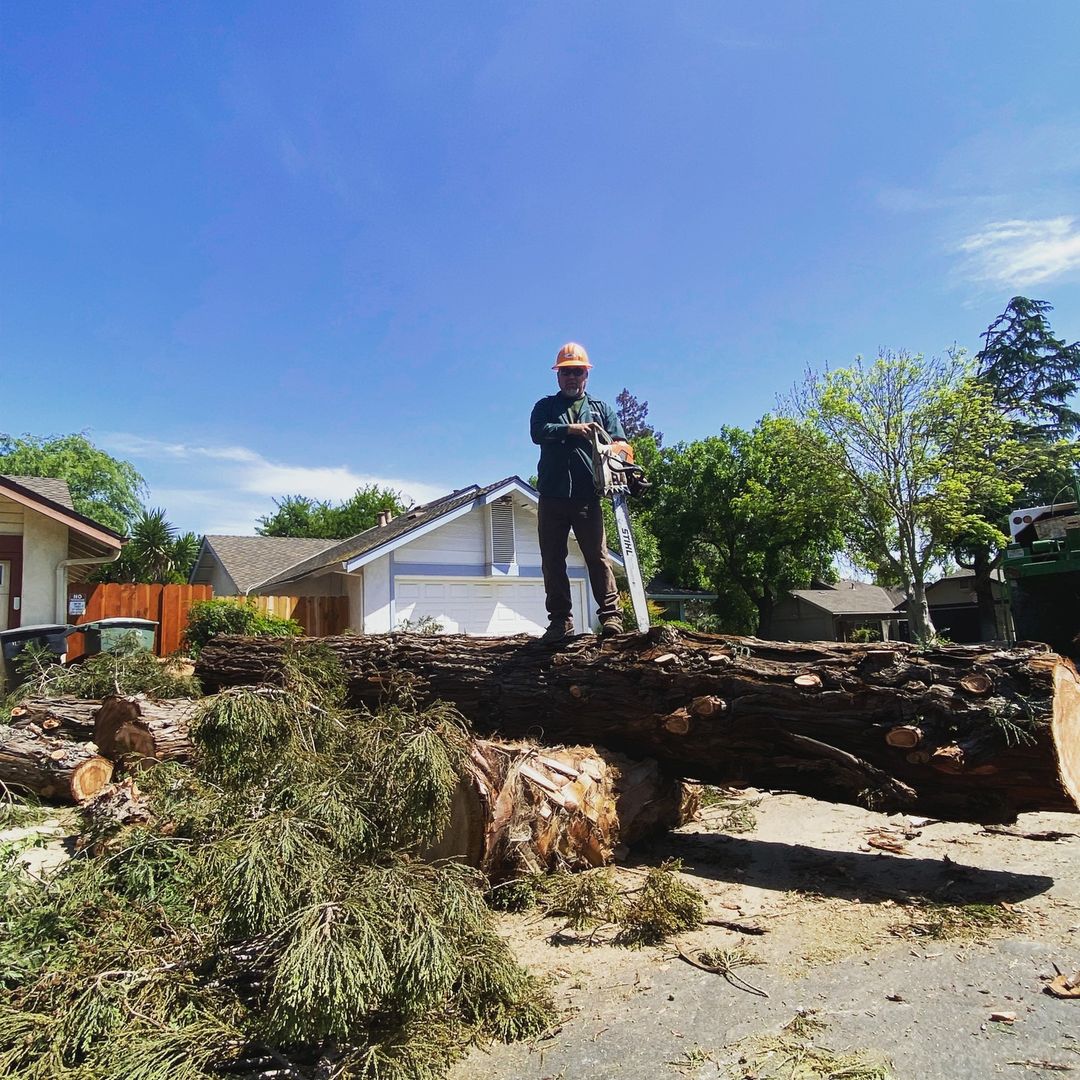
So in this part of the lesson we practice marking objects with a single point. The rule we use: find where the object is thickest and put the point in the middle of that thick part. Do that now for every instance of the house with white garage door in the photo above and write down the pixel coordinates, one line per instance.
(469, 561)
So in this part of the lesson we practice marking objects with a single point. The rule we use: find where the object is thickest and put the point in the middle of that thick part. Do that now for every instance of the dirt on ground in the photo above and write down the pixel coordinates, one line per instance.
(844, 944)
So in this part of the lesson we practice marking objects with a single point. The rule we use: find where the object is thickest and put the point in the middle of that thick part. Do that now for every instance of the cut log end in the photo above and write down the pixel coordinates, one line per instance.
(1065, 727)
(88, 778)
(906, 736)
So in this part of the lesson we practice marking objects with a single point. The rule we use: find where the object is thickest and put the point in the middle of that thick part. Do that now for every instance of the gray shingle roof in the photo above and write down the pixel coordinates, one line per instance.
(48, 487)
(249, 560)
(850, 598)
(376, 537)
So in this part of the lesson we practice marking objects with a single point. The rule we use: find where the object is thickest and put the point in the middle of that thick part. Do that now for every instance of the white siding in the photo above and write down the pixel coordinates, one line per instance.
(466, 541)
(378, 608)
(461, 542)
(11, 517)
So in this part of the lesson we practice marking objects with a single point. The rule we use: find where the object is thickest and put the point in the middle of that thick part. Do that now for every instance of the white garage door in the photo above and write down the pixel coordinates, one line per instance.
(482, 607)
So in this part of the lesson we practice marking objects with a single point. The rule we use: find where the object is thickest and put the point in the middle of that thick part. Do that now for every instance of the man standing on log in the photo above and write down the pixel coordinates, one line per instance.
(562, 426)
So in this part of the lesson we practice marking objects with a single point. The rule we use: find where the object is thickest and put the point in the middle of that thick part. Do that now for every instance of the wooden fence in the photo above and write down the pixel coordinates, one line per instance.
(167, 605)
(320, 616)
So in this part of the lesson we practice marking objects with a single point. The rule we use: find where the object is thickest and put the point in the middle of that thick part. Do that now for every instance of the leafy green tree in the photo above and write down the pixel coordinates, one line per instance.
(102, 487)
(921, 447)
(297, 515)
(740, 512)
(156, 553)
(1031, 376)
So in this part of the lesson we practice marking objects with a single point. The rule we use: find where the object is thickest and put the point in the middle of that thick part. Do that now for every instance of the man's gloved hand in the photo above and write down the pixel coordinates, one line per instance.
(581, 431)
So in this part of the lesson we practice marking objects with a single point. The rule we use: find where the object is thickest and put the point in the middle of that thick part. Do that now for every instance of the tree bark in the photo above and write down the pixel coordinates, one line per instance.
(151, 730)
(999, 730)
(62, 715)
(51, 768)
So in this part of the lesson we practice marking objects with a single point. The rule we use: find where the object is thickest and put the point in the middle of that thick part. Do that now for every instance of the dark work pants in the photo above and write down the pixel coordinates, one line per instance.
(557, 517)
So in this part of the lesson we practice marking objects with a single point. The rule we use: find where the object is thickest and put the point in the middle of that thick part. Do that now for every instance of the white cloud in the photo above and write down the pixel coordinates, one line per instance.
(225, 489)
(1022, 252)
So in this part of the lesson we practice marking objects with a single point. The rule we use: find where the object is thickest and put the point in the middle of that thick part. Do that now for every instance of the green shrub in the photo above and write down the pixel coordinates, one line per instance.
(209, 618)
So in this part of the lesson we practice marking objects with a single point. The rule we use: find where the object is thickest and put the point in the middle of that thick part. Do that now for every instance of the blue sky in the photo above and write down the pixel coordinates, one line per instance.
(264, 248)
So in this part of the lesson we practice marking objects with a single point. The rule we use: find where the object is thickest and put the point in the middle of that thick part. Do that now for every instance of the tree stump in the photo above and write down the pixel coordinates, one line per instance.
(522, 808)
(998, 731)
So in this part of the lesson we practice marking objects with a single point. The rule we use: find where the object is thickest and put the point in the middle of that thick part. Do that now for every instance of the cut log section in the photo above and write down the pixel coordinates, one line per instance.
(51, 768)
(151, 730)
(61, 715)
(813, 717)
(522, 808)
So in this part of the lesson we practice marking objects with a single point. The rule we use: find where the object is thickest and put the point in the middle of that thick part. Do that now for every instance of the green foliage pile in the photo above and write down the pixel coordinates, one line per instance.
(273, 914)
(662, 907)
(127, 669)
(209, 618)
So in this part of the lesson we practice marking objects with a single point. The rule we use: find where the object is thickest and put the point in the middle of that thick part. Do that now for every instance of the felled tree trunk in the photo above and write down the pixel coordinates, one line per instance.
(987, 733)
(51, 768)
(151, 730)
(62, 715)
(522, 808)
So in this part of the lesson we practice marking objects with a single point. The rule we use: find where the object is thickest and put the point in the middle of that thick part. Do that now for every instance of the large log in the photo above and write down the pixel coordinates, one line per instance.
(963, 732)
(60, 715)
(148, 729)
(51, 768)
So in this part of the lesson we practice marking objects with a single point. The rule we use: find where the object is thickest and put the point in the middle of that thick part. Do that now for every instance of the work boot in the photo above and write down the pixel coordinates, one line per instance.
(558, 630)
(611, 626)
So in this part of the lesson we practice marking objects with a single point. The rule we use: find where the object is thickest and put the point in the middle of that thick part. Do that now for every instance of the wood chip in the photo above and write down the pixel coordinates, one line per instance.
(1003, 1017)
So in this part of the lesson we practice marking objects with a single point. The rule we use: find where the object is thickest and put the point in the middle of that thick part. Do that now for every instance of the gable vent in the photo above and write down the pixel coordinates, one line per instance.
(502, 531)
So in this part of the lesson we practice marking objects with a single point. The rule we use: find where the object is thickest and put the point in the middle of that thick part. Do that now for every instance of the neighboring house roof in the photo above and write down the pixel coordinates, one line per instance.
(850, 598)
(49, 487)
(51, 497)
(248, 560)
(959, 575)
(349, 555)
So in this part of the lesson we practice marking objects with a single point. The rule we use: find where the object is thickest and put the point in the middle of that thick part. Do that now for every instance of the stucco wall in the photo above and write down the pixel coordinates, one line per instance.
(45, 543)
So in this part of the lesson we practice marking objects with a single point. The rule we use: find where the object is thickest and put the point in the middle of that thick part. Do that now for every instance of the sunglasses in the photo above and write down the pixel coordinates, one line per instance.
(574, 371)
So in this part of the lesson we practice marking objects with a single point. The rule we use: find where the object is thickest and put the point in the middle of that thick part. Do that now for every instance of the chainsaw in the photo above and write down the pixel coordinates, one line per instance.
(615, 476)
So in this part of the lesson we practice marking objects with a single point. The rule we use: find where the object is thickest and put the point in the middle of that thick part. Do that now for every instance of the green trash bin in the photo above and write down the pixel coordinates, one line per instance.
(105, 635)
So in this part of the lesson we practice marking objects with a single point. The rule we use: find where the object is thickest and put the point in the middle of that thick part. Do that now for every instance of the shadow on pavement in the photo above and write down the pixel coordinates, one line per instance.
(847, 875)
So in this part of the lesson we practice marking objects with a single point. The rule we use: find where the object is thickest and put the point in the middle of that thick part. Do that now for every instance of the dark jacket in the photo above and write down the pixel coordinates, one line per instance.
(565, 468)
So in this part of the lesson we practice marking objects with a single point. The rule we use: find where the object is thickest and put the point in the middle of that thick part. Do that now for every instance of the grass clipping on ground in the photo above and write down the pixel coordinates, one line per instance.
(274, 914)
(647, 915)
(796, 1054)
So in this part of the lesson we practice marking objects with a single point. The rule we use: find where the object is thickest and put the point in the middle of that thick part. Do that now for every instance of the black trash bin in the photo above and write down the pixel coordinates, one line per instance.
(52, 636)
(104, 635)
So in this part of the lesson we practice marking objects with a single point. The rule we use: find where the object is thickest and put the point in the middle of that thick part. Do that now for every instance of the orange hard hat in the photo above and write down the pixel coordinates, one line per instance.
(571, 355)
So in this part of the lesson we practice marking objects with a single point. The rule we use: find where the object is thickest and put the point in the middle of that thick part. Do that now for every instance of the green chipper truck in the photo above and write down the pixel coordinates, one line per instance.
(1042, 567)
